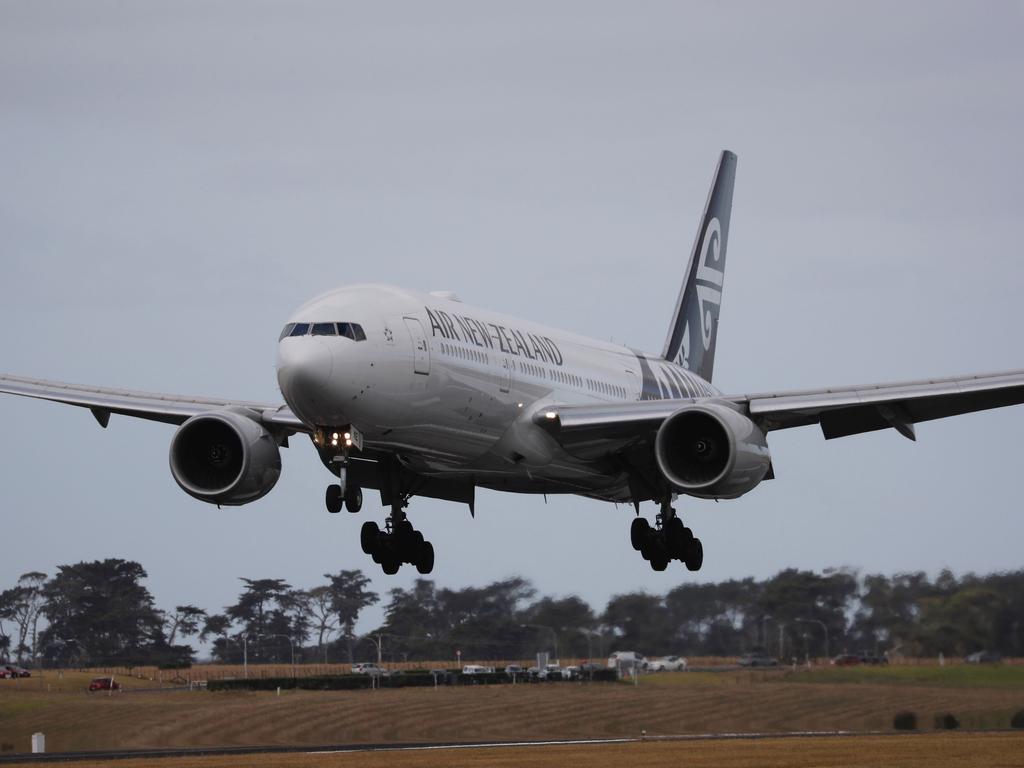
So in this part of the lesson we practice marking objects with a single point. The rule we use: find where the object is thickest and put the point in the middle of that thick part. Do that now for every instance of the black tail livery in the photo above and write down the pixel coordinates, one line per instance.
(691, 336)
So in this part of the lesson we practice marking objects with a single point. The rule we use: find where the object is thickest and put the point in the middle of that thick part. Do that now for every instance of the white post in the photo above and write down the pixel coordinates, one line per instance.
(38, 743)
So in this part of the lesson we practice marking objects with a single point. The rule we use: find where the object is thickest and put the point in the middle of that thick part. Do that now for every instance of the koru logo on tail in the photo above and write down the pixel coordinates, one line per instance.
(708, 285)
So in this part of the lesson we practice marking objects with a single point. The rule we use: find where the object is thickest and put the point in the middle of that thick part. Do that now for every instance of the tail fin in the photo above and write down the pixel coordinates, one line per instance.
(691, 337)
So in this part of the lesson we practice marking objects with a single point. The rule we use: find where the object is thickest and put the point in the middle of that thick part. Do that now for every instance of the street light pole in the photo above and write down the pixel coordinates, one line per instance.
(291, 645)
(554, 636)
(824, 626)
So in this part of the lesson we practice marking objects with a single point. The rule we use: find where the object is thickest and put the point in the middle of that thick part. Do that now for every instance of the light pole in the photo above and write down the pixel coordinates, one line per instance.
(290, 643)
(379, 642)
(823, 626)
(590, 634)
(549, 629)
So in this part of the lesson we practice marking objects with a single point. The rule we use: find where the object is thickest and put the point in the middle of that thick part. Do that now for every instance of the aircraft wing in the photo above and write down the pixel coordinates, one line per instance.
(171, 409)
(592, 430)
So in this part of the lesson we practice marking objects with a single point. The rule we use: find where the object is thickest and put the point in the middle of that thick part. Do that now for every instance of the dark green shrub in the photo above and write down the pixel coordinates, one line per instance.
(946, 722)
(1017, 721)
(905, 721)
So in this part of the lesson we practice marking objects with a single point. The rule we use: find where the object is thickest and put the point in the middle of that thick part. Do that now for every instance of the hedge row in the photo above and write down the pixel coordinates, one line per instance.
(413, 680)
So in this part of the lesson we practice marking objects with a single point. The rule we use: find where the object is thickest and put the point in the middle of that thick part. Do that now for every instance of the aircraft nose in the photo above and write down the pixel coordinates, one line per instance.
(304, 368)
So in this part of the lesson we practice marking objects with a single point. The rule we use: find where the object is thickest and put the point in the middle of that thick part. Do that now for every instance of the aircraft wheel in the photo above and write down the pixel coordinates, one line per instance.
(425, 560)
(369, 537)
(390, 566)
(332, 499)
(354, 498)
(639, 533)
(659, 563)
(695, 555)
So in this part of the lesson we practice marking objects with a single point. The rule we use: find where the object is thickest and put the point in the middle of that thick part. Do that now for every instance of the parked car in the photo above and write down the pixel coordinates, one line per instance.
(16, 671)
(476, 669)
(984, 657)
(514, 669)
(367, 668)
(667, 664)
(873, 659)
(627, 660)
(846, 660)
(5, 674)
(551, 672)
(758, 660)
(104, 684)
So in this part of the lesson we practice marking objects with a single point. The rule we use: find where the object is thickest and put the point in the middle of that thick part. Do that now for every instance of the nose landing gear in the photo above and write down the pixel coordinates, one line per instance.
(343, 493)
(668, 540)
(398, 543)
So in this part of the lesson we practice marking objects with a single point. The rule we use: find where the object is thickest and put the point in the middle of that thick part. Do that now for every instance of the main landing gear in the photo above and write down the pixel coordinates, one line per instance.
(668, 540)
(398, 543)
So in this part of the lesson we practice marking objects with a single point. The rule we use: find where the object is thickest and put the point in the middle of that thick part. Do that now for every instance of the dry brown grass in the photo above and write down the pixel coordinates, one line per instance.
(76, 720)
(931, 751)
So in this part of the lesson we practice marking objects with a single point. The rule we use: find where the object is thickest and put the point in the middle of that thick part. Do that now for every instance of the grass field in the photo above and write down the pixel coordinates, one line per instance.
(932, 750)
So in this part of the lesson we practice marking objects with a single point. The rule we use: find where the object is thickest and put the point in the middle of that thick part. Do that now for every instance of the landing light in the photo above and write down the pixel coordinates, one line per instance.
(348, 435)
(551, 415)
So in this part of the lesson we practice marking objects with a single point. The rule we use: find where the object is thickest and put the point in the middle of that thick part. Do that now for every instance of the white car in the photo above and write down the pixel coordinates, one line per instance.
(627, 660)
(476, 669)
(667, 664)
(366, 668)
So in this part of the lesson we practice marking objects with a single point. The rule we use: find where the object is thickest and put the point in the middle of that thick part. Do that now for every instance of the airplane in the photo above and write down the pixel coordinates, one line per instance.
(418, 394)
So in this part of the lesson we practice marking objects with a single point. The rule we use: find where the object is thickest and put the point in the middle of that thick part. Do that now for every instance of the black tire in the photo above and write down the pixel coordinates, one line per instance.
(694, 555)
(639, 533)
(390, 566)
(332, 499)
(369, 537)
(425, 560)
(677, 539)
(659, 563)
(354, 498)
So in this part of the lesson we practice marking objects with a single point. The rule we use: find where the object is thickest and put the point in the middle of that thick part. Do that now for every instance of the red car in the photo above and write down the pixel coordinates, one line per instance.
(13, 670)
(104, 684)
(846, 660)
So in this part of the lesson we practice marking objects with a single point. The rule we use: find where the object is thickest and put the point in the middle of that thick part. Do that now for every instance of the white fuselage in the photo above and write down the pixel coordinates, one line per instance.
(452, 388)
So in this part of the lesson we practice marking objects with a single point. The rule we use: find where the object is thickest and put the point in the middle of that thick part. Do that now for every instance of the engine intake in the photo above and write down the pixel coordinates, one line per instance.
(710, 450)
(225, 457)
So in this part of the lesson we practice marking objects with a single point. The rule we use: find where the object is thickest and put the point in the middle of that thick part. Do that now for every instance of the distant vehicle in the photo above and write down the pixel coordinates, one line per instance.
(367, 668)
(846, 660)
(476, 669)
(16, 671)
(5, 674)
(984, 657)
(627, 660)
(514, 669)
(667, 664)
(873, 659)
(758, 660)
(551, 672)
(572, 672)
(589, 666)
(104, 684)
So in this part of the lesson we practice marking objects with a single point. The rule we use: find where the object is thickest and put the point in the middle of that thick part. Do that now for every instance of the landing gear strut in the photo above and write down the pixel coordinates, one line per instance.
(343, 492)
(668, 540)
(398, 543)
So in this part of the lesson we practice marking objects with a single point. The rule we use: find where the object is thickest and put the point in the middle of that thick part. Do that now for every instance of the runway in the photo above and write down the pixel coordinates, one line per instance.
(327, 749)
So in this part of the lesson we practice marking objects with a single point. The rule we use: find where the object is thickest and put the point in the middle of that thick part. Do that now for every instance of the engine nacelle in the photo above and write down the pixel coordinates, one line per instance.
(225, 457)
(711, 451)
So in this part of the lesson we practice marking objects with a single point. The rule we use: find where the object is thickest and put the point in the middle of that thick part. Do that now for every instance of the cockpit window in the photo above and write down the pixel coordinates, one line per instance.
(300, 329)
(324, 329)
(287, 331)
(353, 331)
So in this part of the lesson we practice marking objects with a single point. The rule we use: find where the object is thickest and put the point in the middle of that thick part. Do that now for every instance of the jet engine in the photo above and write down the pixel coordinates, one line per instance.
(225, 457)
(711, 451)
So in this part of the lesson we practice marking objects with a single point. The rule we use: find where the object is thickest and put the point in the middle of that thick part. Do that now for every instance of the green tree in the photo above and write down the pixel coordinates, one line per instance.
(348, 594)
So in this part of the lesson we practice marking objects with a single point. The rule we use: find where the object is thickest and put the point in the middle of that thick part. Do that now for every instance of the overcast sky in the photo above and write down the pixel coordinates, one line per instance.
(175, 178)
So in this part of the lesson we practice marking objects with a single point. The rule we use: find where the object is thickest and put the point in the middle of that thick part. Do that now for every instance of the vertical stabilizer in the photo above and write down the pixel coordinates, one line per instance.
(694, 328)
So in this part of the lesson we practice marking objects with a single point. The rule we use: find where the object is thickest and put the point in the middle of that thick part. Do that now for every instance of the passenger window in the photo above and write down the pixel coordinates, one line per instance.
(287, 331)
(300, 329)
(324, 329)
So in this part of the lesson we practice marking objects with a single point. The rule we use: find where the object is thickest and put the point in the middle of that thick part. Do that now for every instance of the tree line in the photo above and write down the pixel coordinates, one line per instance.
(101, 613)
